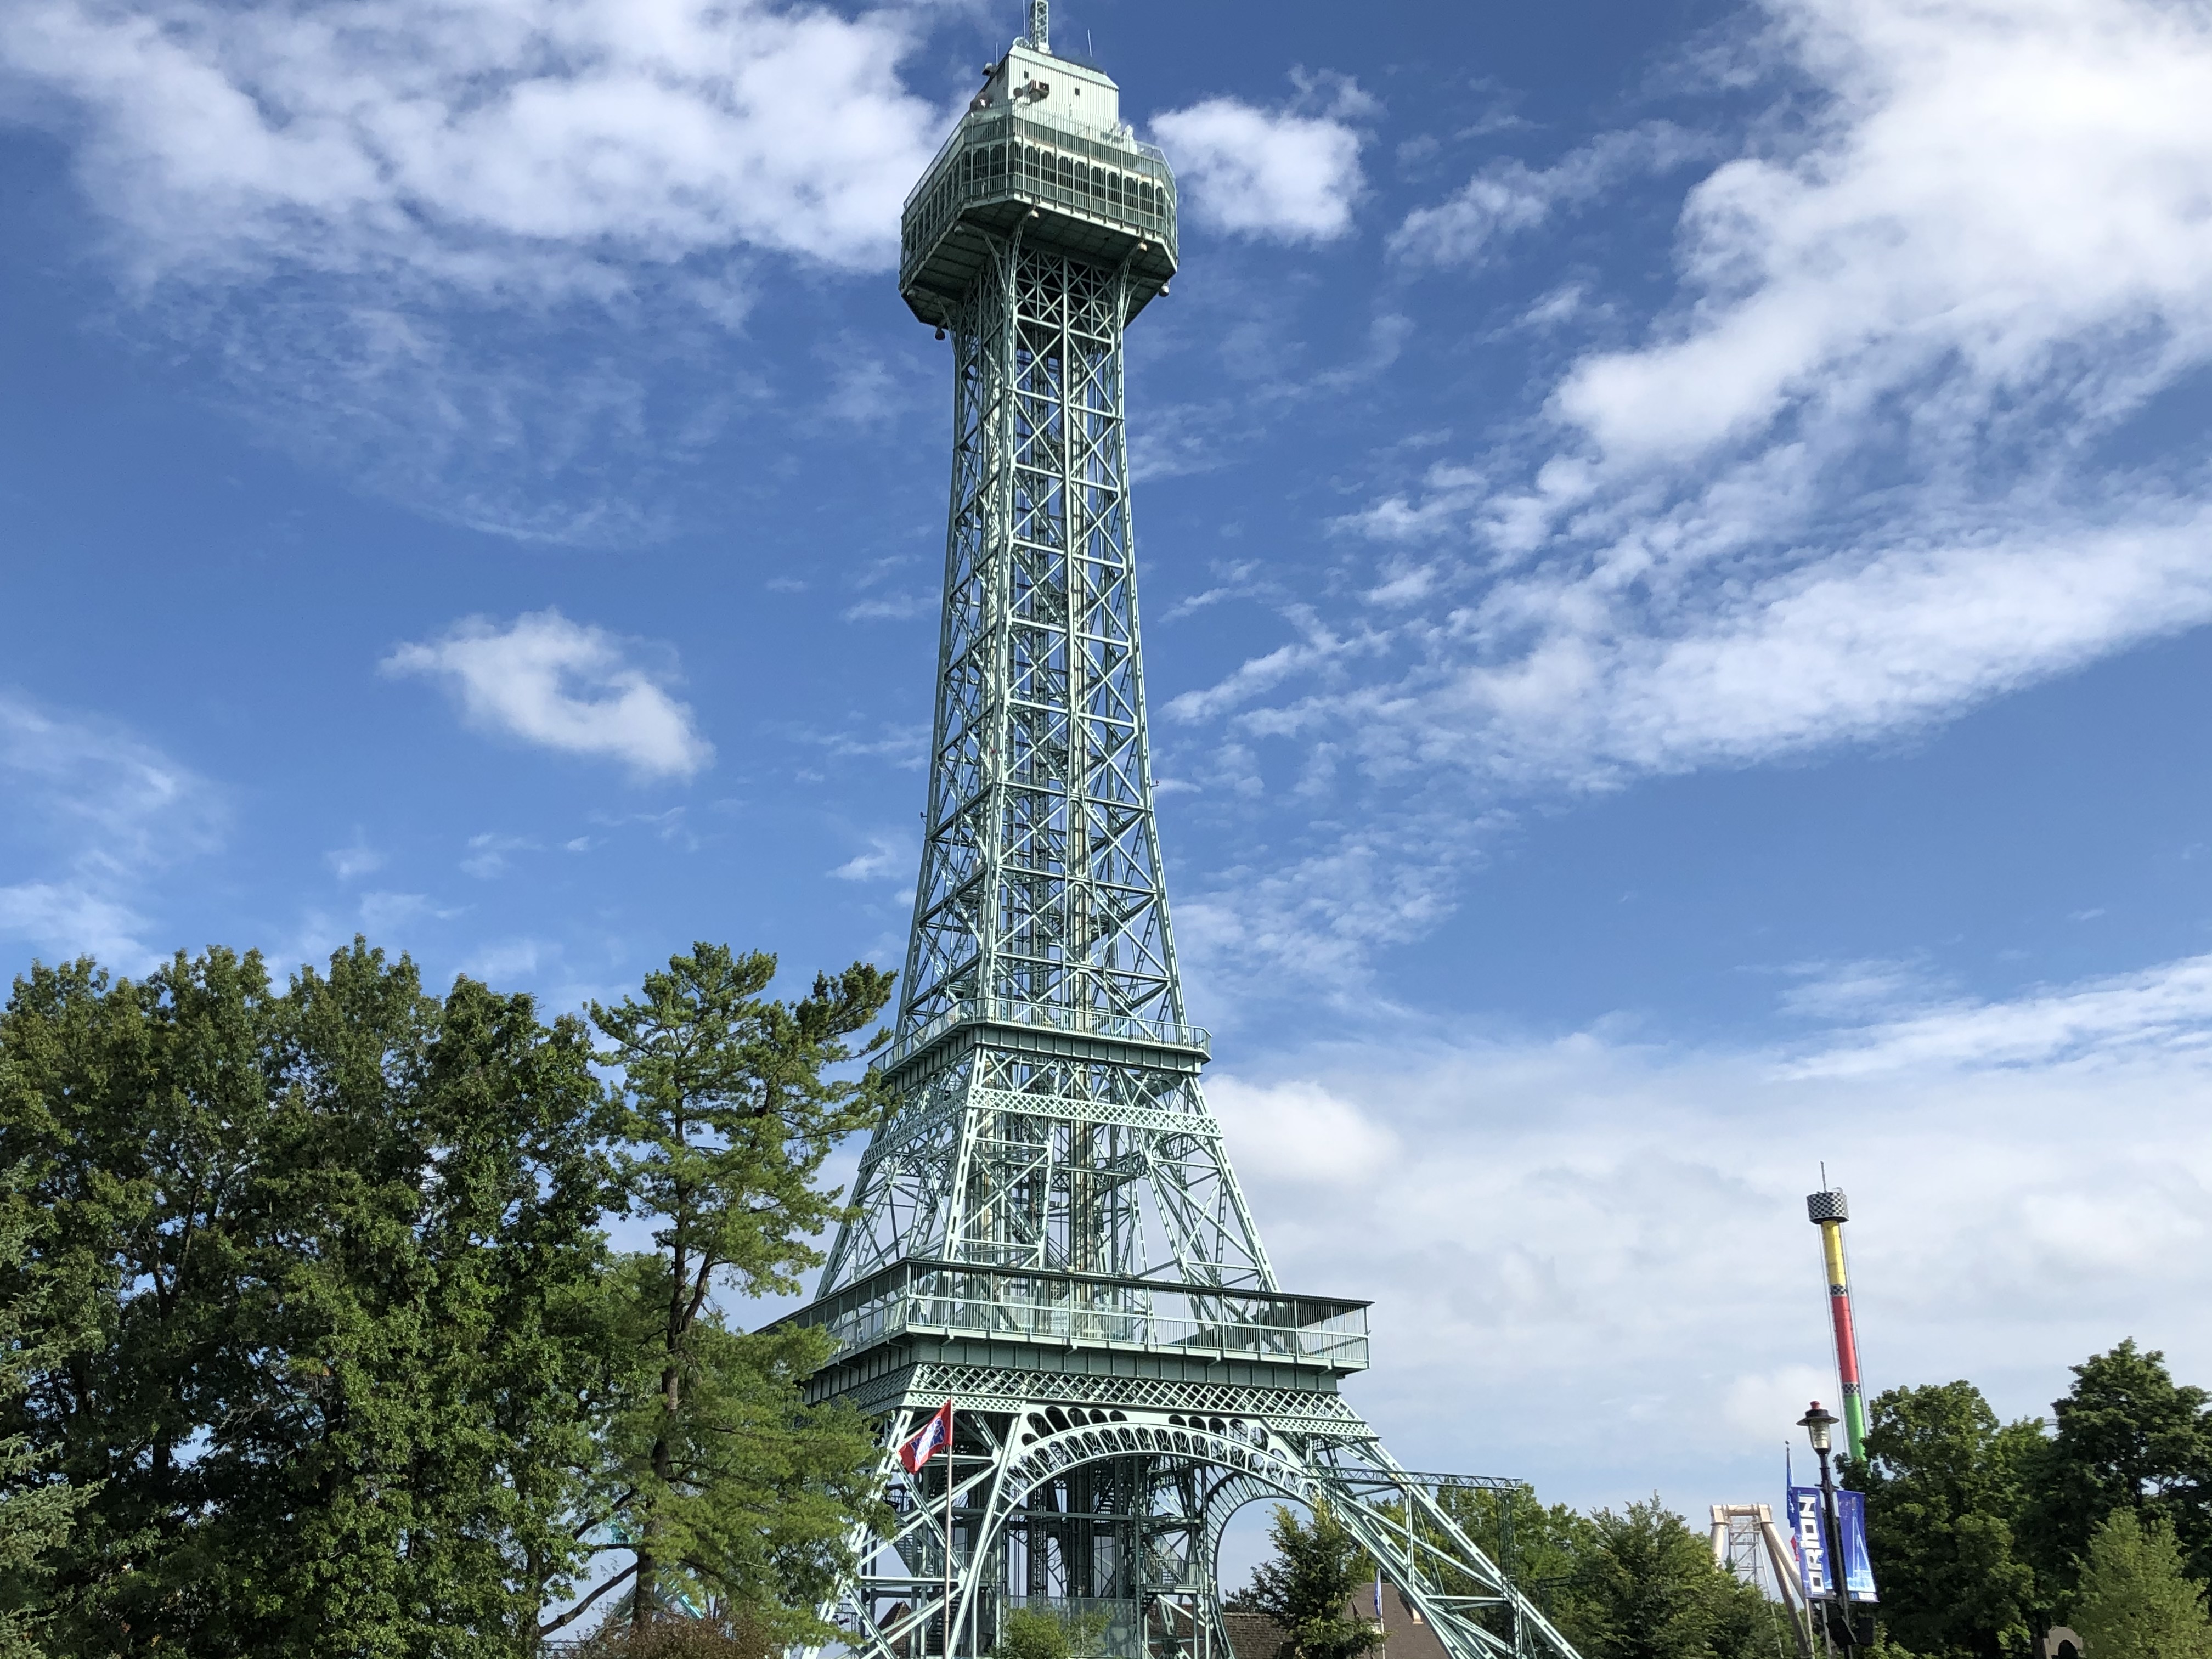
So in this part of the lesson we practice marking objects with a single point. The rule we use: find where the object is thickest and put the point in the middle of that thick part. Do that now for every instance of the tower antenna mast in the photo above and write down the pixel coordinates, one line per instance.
(1045, 1233)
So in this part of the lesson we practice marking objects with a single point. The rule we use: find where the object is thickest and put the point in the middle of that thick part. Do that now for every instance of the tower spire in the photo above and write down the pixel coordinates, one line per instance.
(1041, 25)
(1045, 1229)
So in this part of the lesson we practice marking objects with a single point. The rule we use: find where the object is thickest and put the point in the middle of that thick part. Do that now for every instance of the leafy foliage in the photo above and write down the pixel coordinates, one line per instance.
(676, 1638)
(352, 1369)
(2135, 1601)
(1041, 1634)
(339, 1244)
(2128, 1435)
(37, 1510)
(1945, 1486)
(1642, 1585)
(1029, 1633)
(1307, 1588)
(1639, 1584)
(1538, 1546)
(725, 1488)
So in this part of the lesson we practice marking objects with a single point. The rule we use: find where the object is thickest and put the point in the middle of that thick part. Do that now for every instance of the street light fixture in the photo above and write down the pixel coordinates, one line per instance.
(1835, 1620)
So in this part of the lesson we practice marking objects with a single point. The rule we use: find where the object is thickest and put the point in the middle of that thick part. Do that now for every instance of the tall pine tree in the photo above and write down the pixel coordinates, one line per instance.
(728, 1494)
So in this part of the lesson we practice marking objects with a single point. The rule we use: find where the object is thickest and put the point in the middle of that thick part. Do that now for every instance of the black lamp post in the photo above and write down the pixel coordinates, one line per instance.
(1820, 1428)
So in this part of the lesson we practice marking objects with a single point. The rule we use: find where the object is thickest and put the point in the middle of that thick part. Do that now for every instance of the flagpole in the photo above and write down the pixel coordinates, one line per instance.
(948, 1529)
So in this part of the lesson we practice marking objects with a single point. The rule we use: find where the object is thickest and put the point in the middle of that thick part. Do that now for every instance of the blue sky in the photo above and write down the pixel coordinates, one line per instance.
(1674, 553)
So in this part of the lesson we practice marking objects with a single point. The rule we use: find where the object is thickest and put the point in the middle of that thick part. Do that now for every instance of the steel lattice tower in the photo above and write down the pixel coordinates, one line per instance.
(1049, 1231)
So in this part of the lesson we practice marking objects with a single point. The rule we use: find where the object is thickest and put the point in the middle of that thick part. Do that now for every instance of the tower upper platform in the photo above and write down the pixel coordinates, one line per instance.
(1045, 136)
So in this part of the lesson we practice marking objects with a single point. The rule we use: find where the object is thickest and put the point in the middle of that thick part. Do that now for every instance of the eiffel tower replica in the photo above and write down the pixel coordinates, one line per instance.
(1047, 1231)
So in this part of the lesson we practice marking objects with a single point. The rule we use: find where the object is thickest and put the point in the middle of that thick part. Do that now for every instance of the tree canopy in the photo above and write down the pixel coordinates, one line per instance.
(333, 1352)
(2135, 1599)
(1982, 1533)
(1308, 1586)
(1946, 1484)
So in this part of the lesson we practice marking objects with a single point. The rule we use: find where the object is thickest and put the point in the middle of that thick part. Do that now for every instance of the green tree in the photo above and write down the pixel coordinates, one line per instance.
(1644, 1586)
(37, 1509)
(1537, 1545)
(2126, 1435)
(1308, 1587)
(1038, 1633)
(722, 1487)
(2135, 1601)
(1031, 1633)
(1945, 1484)
(339, 1244)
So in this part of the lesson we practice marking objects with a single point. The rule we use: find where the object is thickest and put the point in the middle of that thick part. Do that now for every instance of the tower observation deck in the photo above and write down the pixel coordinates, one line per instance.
(1047, 1230)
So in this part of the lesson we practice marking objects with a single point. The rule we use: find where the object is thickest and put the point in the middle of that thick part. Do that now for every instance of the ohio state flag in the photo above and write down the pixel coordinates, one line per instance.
(934, 1436)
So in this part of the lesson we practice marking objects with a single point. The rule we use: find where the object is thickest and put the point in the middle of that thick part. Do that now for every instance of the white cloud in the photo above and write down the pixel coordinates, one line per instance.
(510, 959)
(555, 683)
(383, 226)
(1577, 1231)
(884, 857)
(488, 852)
(89, 811)
(1508, 197)
(486, 144)
(892, 607)
(73, 919)
(383, 912)
(2000, 189)
(1853, 481)
(358, 860)
(1298, 1132)
(1269, 174)
(115, 800)
(1844, 647)
(2165, 1011)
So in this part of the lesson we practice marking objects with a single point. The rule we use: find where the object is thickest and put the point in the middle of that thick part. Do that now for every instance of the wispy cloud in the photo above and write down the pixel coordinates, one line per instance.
(487, 146)
(376, 220)
(1851, 485)
(561, 685)
(1565, 1228)
(892, 607)
(95, 810)
(2164, 1012)
(73, 917)
(1290, 174)
(488, 854)
(1508, 197)
(886, 857)
(358, 860)
(382, 912)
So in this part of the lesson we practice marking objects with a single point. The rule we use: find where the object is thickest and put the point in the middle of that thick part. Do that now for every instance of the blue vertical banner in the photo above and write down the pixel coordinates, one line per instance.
(1858, 1566)
(1810, 1535)
(1817, 1567)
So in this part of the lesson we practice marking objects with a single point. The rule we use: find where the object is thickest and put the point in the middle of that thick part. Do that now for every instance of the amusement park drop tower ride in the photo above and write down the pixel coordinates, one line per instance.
(1047, 1231)
(1828, 1210)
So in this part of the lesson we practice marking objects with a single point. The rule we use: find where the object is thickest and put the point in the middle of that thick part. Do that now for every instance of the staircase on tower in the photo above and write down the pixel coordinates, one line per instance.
(1047, 1231)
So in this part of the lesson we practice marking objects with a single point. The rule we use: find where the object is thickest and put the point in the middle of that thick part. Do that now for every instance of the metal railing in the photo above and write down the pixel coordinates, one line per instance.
(1044, 1016)
(998, 154)
(1087, 1310)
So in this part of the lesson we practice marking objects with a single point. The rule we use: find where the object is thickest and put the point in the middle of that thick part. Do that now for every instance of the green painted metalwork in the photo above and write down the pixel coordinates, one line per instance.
(1046, 1228)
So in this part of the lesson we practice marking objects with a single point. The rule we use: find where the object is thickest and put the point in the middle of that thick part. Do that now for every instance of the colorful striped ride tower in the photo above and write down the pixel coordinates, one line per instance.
(1828, 1211)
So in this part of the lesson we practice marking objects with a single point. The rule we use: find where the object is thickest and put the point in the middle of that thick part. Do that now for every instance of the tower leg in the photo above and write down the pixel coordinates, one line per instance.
(1114, 1515)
